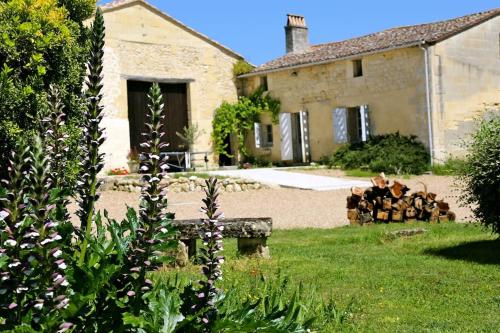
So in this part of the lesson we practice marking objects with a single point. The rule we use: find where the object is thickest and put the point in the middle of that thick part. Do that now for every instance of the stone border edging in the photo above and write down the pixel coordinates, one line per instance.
(132, 183)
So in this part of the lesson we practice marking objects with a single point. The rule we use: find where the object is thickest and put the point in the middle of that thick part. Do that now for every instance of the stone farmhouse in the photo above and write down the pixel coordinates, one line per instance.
(143, 45)
(429, 80)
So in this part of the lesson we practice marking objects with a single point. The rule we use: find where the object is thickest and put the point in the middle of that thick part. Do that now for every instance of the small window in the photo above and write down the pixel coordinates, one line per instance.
(357, 68)
(267, 136)
(263, 83)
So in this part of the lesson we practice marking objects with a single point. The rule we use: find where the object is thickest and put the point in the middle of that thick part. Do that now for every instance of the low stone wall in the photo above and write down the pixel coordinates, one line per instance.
(132, 183)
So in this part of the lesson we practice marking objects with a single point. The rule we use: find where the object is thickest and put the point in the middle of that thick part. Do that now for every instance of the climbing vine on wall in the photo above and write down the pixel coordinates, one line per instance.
(239, 118)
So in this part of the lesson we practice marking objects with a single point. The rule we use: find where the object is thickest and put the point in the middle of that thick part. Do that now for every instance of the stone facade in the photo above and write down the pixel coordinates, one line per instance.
(392, 85)
(465, 80)
(145, 44)
(463, 71)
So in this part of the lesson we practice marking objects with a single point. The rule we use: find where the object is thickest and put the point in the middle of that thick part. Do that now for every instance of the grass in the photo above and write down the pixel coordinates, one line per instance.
(176, 175)
(361, 173)
(446, 280)
(450, 167)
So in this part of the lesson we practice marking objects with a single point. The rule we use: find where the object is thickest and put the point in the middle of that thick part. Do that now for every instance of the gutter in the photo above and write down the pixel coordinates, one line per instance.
(425, 48)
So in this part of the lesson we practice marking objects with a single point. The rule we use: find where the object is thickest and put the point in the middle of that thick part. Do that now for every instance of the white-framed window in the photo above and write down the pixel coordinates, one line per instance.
(263, 135)
(351, 124)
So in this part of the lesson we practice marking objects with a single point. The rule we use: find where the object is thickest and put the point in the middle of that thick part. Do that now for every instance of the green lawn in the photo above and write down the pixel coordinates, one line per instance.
(447, 280)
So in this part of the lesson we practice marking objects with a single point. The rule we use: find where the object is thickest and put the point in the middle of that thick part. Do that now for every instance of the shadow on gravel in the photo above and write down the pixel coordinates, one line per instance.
(482, 252)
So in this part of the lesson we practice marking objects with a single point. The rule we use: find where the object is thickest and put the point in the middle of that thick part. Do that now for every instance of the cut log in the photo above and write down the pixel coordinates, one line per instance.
(365, 218)
(352, 203)
(380, 181)
(352, 214)
(397, 215)
(387, 203)
(382, 215)
(411, 212)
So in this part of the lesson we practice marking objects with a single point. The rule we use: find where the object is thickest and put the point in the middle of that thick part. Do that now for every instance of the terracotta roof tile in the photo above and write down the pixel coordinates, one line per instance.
(380, 41)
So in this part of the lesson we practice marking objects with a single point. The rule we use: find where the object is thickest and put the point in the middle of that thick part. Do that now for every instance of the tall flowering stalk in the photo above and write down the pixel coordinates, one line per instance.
(12, 213)
(33, 274)
(211, 234)
(45, 239)
(55, 144)
(150, 242)
(93, 161)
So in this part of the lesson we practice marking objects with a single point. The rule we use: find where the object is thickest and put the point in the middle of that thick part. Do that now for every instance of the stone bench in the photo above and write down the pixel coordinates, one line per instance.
(252, 234)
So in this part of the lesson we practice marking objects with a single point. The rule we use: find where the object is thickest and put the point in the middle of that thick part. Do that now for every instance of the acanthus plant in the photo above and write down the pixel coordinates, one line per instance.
(55, 144)
(32, 263)
(152, 236)
(211, 235)
(93, 136)
(201, 305)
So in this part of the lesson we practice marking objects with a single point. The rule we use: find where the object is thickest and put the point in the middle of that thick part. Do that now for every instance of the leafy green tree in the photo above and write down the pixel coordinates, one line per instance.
(480, 176)
(41, 43)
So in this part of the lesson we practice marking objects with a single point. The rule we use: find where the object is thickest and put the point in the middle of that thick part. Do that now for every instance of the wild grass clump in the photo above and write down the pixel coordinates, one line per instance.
(450, 167)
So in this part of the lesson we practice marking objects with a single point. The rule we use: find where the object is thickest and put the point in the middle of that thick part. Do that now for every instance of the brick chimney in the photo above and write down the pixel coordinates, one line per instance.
(297, 34)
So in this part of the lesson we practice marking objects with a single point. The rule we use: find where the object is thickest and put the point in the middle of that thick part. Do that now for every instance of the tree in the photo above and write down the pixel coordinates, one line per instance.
(481, 177)
(41, 43)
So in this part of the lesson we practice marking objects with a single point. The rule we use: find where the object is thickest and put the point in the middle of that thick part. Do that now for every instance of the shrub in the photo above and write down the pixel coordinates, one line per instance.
(41, 43)
(239, 118)
(242, 67)
(390, 153)
(481, 176)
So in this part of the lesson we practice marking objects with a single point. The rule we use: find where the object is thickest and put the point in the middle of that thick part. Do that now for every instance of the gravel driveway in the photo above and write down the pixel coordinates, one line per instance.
(289, 208)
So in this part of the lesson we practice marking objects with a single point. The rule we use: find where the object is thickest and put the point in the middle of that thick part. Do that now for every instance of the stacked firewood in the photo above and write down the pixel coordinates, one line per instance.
(384, 203)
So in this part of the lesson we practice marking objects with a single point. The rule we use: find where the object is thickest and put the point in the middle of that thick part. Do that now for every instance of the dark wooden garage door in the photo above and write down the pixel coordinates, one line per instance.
(175, 97)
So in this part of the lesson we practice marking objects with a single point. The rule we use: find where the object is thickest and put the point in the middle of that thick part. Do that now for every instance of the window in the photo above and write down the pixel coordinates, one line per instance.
(351, 124)
(357, 68)
(354, 128)
(263, 135)
(263, 83)
(267, 138)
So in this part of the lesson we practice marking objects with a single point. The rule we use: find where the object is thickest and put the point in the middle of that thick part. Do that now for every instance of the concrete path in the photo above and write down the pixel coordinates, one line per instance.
(292, 179)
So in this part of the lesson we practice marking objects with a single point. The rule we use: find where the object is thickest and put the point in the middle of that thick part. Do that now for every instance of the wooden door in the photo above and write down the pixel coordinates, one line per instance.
(176, 113)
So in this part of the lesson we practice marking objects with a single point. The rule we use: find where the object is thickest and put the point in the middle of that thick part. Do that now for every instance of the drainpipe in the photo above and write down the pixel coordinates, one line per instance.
(425, 48)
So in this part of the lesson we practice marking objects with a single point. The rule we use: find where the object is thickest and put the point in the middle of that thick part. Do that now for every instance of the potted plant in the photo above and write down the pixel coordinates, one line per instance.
(133, 160)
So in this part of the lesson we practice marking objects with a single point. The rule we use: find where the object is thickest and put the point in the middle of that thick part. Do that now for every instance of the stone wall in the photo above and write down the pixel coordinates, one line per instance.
(466, 78)
(392, 85)
(147, 45)
(133, 183)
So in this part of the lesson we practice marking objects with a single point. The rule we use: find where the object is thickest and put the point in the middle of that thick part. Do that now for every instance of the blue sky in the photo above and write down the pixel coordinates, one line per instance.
(255, 28)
